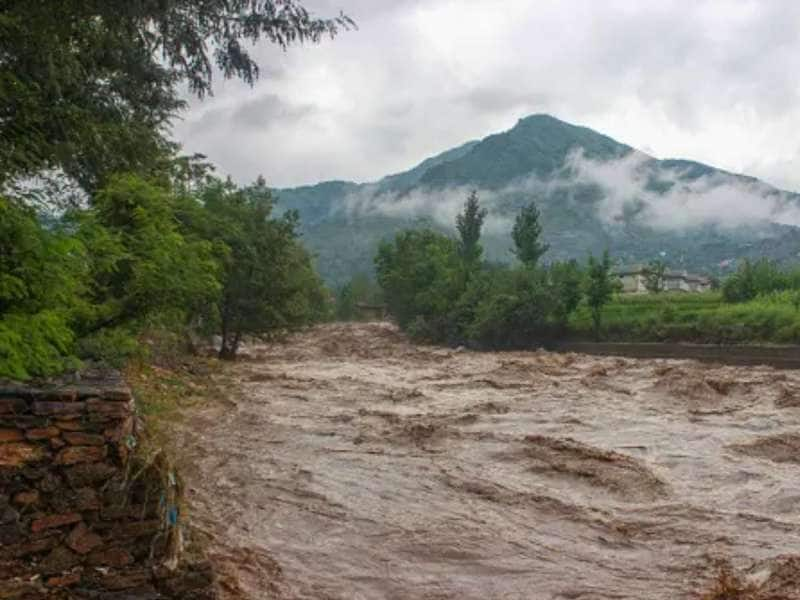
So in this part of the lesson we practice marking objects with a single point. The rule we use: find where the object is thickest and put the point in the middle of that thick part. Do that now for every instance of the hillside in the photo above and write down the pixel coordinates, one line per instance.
(594, 193)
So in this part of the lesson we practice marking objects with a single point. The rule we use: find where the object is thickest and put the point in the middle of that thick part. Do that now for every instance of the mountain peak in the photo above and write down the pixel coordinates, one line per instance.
(634, 214)
(542, 118)
(537, 145)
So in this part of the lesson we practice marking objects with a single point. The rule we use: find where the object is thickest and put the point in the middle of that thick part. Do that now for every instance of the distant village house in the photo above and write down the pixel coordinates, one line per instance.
(634, 281)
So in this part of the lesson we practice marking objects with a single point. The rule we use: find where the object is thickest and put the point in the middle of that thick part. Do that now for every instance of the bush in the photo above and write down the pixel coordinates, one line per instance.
(42, 277)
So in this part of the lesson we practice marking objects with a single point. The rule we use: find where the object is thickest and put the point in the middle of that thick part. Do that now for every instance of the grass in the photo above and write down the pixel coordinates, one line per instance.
(163, 389)
(163, 392)
(699, 318)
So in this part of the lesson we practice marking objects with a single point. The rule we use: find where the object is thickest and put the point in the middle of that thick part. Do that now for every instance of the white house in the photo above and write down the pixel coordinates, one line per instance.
(634, 281)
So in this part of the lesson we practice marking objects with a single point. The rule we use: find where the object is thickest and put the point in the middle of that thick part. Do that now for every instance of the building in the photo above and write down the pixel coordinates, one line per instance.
(634, 281)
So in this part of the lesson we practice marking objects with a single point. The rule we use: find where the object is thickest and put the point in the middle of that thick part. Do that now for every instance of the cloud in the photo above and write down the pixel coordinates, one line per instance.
(264, 111)
(709, 81)
(635, 188)
(682, 202)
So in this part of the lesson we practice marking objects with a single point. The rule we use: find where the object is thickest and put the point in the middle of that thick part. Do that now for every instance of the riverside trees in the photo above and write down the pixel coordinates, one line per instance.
(143, 257)
(87, 93)
(421, 273)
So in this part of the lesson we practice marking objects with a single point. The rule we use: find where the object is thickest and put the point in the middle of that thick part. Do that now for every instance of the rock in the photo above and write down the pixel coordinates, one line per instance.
(16, 454)
(69, 425)
(82, 540)
(33, 473)
(180, 585)
(10, 533)
(30, 547)
(8, 515)
(124, 581)
(19, 590)
(10, 435)
(59, 409)
(79, 438)
(10, 406)
(52, 521)
(80, 454)
(50, 482)
(26, 497)
(42, 433)
(136, 529)
(64, 580)
(87, 499)
(71, 524)
(65, 394)
(59, 560)
(110, 557)
(87, 474)
(30, 421)
(119, 432)
(98, 407)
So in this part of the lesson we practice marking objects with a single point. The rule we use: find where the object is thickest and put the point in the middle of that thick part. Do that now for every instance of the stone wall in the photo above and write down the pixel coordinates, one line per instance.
(82, 515)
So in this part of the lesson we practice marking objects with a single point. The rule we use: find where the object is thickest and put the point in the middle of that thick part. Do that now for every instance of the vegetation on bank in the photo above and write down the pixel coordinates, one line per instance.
(146, 257)
(439, 289)
(698, 318)
(111, 241)
(439, 292)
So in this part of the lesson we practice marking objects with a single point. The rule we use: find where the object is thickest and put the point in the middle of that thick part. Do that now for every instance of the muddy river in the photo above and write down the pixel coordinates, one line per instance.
(349, 463)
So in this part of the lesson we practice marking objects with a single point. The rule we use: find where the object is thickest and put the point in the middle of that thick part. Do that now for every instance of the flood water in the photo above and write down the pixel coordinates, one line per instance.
(349, 463)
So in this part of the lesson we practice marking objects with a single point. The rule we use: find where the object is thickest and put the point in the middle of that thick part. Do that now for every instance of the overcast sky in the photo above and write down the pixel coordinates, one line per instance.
(715, 81)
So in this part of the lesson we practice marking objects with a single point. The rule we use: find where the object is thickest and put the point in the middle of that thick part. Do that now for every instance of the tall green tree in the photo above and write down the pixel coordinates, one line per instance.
(268, 281)
(90, 86)
(360, 289)
(142, 262)
(567, 281)
(518, 309)
(654, 277)
(601, 284)
(420, 274)
(42, 278)
(469, 224)
(526, 234)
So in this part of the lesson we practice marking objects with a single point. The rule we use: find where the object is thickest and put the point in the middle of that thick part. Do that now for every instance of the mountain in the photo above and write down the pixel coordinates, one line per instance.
(593, 193)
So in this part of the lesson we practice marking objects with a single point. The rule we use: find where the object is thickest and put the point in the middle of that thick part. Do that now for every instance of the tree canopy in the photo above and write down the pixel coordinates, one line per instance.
(527, 233)
(89, 86)
(469, 224)
(88, 89)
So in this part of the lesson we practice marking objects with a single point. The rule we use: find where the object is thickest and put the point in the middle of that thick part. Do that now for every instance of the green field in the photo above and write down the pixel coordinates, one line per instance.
(699, 318)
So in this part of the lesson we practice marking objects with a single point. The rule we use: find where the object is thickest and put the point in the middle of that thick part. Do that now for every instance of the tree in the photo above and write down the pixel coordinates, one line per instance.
(519, 309)
(600, 287)
(90, 86)
(654, 276)
(360, 289)
(42, 278)
(469, 224)
(526, 233)
(142, 263)
(567, 280)
(268, 280)
(419, 272)
(753, 278)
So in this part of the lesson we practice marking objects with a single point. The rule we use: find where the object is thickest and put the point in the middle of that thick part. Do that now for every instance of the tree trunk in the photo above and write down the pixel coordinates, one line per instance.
(227, 353)
(229, 346)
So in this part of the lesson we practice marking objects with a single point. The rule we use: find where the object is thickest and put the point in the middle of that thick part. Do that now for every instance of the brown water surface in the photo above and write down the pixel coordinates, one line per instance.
(350, 463)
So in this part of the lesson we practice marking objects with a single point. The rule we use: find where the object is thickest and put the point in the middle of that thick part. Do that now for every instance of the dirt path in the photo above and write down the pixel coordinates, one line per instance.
(349, 463)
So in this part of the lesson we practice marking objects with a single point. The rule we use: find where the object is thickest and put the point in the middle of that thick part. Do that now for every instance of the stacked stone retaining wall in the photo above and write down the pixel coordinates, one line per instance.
(81, 515)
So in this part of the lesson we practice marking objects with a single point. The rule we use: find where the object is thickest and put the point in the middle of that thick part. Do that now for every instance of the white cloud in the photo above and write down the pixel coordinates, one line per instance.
(718, 199)
(710, 80)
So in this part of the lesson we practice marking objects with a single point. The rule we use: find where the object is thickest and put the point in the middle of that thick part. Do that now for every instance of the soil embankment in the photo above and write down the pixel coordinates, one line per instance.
(349, 463)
